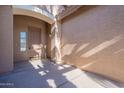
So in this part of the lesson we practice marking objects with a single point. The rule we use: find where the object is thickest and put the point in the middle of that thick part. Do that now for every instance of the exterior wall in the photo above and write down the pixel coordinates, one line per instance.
(6, 39)
(21, 23)
(93, 40)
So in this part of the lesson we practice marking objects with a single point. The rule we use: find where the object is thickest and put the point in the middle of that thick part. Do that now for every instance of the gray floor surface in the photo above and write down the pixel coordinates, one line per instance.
(46, 74)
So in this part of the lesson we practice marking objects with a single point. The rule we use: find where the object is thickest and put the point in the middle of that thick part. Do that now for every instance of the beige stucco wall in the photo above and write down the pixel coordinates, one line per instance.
(55, 41)
(6, 39)
(21, 23)
(93, 40)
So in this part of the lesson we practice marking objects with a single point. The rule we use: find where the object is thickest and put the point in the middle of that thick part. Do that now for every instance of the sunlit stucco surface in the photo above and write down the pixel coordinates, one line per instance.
(94, 37)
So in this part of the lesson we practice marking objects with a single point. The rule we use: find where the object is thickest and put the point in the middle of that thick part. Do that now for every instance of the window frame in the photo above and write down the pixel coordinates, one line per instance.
(22, 41)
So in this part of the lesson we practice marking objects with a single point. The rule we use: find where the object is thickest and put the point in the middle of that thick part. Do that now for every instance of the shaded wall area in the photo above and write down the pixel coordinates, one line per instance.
(93, 40)
(6, 39)
(48, 49)
(22, 23)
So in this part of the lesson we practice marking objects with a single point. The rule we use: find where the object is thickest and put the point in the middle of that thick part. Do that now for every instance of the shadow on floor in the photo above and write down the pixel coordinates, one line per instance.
(46, 74)
(36, 74)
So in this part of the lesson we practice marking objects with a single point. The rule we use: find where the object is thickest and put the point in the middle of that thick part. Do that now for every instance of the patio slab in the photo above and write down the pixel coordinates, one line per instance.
(46, 74)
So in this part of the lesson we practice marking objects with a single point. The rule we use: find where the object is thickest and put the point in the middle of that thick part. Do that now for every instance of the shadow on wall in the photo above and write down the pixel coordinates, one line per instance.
(97, 59)
(74, 52)
(93, 41)
(39, 74)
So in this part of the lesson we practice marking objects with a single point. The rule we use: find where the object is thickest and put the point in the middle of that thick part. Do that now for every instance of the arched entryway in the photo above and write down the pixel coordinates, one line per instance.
(54, 31)
(31, 38)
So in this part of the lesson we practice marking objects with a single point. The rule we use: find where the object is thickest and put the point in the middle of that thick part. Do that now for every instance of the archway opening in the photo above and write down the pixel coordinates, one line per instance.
(31, 39)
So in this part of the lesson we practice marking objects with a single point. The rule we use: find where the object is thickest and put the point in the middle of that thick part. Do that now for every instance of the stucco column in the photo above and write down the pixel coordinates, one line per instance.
(6, 39)
(56, 41)
(43, 40)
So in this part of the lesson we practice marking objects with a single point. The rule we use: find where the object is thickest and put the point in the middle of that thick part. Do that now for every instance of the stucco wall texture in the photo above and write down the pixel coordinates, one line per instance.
(6, 39)
(22, 23)
(93, 40)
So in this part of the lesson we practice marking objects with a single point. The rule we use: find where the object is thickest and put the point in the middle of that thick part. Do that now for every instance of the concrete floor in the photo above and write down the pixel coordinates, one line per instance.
(46, 74)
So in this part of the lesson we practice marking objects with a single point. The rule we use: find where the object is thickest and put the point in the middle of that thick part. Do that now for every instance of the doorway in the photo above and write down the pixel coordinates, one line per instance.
(35, 47)
(28, 44)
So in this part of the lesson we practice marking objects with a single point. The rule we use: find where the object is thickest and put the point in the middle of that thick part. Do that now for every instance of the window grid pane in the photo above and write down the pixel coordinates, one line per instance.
(22, 41)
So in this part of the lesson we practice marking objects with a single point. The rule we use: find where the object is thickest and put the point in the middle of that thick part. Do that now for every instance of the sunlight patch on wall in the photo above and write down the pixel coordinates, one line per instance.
(101, 47)
(121, 50)
(82, 47)
(89, 64)
(67, 49)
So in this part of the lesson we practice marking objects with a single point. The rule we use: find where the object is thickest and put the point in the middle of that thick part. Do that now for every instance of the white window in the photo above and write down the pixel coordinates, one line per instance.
(23, 37)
